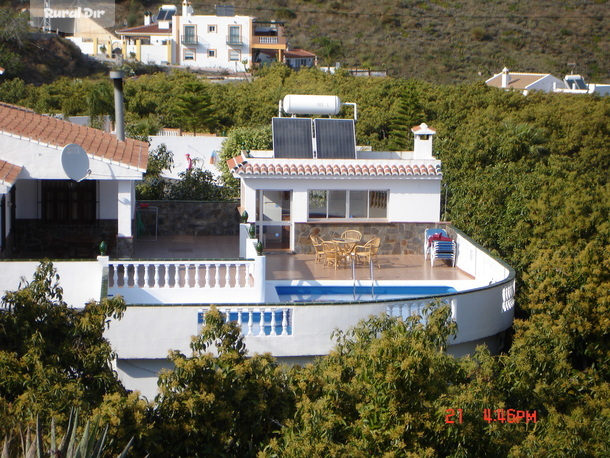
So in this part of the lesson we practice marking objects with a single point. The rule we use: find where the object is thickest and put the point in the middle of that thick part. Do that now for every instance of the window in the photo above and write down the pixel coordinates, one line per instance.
(190, 35)
(189, 54)
(234, 55)
(211, 28)
(69, 202)
(347, 204)
(234, 35)
(211, 53)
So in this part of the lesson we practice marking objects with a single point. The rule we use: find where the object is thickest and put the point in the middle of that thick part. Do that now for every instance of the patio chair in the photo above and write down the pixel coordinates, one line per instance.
(333, 254)
(367, 253)
(428, 243)
(317, 246)
(352, 234)
(443, 249)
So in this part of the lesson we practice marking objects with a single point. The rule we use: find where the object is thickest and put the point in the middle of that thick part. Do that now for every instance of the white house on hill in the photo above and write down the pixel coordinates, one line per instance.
(223, 41)
(65, 186)
(524, 82)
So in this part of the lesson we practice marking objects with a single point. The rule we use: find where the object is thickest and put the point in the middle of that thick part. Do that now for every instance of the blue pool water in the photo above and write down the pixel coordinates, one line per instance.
(361, 293)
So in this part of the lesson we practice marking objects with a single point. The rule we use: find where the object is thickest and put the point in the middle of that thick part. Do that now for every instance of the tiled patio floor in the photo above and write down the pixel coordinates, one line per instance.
(285, 266)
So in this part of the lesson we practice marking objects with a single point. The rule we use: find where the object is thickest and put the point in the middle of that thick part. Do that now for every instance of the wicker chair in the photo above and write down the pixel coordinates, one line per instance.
(352, 234)
(367, 253)
(317, 246)
(333, 255)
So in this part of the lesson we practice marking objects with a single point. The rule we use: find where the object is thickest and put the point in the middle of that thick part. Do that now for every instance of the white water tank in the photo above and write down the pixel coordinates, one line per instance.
(312, 104)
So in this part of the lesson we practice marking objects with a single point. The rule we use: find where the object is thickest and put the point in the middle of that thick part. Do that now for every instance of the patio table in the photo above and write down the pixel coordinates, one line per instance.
(346, 245)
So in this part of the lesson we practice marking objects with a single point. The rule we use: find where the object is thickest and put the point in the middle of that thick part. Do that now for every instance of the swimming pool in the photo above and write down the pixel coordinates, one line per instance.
(359, 293)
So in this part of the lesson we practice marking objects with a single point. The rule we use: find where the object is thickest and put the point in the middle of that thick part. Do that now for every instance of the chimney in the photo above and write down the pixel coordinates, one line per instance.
(423, 141)
(187, 10)
(117, 78)
(147, 18)
(505, 78)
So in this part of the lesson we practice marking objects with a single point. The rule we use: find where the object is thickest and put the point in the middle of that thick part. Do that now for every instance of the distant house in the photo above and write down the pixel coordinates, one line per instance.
(223, 41)
(575, 84)
(298, 58)
(294, 58)
(524, 82)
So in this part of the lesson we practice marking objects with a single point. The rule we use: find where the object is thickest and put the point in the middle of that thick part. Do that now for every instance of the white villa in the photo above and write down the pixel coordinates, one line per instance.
(222, 41)
(526, 82)
(315, 181)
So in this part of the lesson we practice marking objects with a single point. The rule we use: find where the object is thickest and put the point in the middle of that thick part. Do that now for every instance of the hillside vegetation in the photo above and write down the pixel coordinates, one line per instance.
(441, 41)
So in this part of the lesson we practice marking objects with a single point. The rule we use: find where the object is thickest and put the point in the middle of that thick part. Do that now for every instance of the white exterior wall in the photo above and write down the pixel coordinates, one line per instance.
(201, 148)
(546, 84)
(85, 44)
(44, 162)
(126, 206)
(479, 314)
(213, 41)
(151, 54)
(81, 281)
(410, 199)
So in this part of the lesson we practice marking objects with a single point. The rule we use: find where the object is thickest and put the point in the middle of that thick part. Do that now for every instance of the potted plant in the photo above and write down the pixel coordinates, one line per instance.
(244, 217)
(259, 248)
(252, 231)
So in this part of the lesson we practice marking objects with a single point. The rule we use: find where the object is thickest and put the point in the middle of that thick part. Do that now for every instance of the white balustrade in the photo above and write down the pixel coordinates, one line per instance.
(257, 321)
(149, 274)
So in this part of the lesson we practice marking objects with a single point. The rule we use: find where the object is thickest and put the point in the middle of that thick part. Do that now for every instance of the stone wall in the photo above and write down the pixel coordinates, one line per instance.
(396, 238)
(194, 218)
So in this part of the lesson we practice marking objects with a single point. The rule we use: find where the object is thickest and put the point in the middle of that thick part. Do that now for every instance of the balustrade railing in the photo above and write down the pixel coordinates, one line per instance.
(257, 321)
(181, 274)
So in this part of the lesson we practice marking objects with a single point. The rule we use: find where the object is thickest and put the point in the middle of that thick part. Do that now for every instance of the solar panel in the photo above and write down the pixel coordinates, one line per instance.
(335, 138)
(165, 15)
(292, 138)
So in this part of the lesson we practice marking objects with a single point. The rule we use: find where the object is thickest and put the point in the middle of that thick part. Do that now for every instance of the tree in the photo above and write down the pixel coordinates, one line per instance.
(219, 401)
(195, 184)
(100, 102)
(382, 391)
(193, 108)
(53, 357)
(153, 186)
(328, 49)
(409, 112)
(241, 139)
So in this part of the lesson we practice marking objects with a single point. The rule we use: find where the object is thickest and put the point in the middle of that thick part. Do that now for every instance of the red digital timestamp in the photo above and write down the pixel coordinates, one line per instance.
(495, 416)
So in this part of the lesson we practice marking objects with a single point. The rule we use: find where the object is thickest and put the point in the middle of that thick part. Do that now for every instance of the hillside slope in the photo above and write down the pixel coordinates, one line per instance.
(442, 41)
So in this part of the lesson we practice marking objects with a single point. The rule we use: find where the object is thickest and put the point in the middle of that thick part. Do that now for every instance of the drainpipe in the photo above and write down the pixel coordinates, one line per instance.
(117, 78)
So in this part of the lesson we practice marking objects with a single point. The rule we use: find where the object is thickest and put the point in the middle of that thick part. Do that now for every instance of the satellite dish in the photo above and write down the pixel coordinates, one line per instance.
(75, 162)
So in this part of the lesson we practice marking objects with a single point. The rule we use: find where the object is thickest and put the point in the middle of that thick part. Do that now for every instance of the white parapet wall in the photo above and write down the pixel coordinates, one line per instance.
(81, 280)
(161, 282)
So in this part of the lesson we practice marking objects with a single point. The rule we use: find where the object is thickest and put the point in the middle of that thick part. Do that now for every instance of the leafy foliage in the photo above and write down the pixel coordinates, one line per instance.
(241, 140)
(219, 401)
(52, 357)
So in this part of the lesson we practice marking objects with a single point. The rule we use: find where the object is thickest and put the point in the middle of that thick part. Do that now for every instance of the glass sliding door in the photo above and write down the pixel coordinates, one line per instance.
(273, 218)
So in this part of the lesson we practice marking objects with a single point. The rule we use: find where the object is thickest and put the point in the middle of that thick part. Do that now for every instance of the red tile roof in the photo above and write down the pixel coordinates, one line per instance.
(8, 173)
(30, 126)
(298, 53)
(325, 167)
